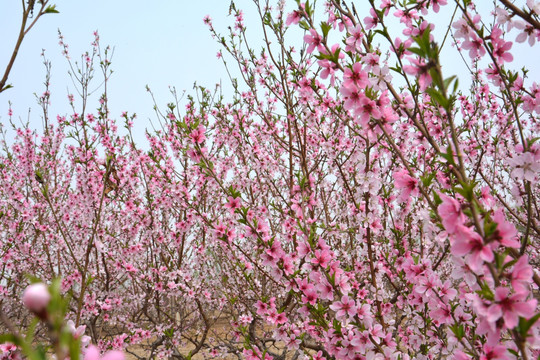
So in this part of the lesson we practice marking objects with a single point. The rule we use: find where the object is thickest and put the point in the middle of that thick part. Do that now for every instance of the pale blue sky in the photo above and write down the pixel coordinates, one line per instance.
(159, 43)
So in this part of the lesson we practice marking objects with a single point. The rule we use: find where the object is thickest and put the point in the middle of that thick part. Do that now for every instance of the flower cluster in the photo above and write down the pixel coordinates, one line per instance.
(350, 201)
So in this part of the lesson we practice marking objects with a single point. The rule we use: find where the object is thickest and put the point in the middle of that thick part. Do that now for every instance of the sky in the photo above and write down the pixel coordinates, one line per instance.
(160, 43)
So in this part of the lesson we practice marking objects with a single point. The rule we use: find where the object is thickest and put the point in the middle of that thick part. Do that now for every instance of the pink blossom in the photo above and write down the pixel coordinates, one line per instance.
(344, 307)
(355, 76)
(353, 96)
(510, 307)
(504, 17)
(487, 200)
(427, 285)
(501, 48)
(494, 352)
(328, 70)
(293, 17)
(92, 353)
(528, 32)
(9, 351)
(406, 183)
(321, 258)
(372, 61)
(261, 307)
(364, 313)
(349, 347)
(326, 290)
(310, 296)
(475, 45)
(420, 69)
(522, 275)
(470, 243)
(463, 29)
(446, 291)
(36, 298)
(354, 41)
(281, 318)
(450, 212)
(303, 248)
(233, 204)
(506, 232)
(367, 109)
(442, 313)
(198, 135)
(526, 166)
(407, 17)
(377, 332)
(534, 5)
(371, 21)
(436, 4)
(314, 40)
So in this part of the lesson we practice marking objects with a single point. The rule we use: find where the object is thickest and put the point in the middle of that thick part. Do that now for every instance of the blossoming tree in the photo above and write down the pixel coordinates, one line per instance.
(350, 202)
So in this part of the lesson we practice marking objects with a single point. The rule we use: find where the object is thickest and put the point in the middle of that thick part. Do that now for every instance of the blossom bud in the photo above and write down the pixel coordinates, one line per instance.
(36, 297)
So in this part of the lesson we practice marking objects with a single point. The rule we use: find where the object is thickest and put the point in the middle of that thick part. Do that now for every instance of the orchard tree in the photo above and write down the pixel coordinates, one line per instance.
(350, 202)
(31, 12)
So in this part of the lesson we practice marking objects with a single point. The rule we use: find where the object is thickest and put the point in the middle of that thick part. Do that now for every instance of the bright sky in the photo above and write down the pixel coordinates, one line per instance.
(160, 43)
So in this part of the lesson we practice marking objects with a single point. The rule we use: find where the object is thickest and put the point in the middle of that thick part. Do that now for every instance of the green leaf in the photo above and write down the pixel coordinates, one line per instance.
(513, 352)
(42, 353)
(489, 227)
(499, 259)
(531, 142)
(437, 97)
(382, 32)
(51, 9)
(524, 324)
(423, 43)
(396, 69)
(456, 86)
(5, 338)
(463, 192)
(335, 55)
(73, 344)
(448, 156)
(308, 9)
(304, 25)
(31, 330)
(322, 56)
(426, 180)
(267, 19)
(417, 51)
(458, 330)
(33, 279)
(169, 332)
(449, 80)
(325, 29)
(486, 292)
